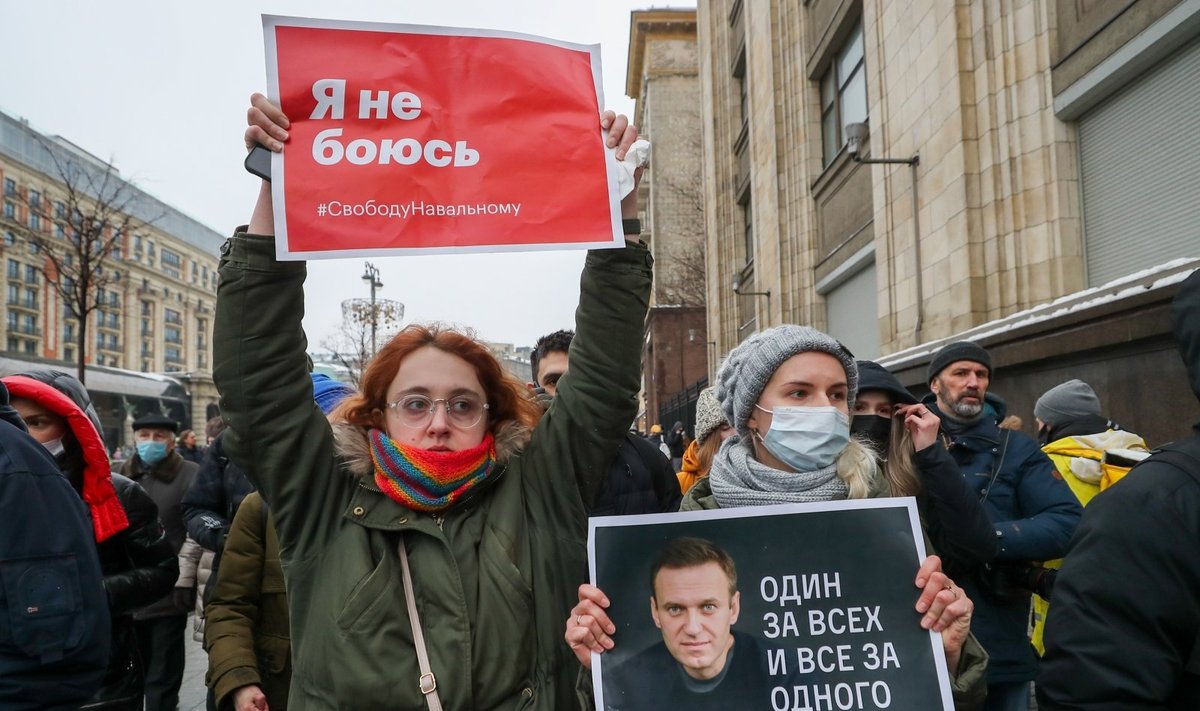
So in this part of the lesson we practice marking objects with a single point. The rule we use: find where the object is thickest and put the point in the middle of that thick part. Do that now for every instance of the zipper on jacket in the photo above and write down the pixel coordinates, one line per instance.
(438, 518)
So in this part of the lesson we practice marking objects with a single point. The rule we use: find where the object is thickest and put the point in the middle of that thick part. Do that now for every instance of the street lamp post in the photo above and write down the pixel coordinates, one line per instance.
(371, 276)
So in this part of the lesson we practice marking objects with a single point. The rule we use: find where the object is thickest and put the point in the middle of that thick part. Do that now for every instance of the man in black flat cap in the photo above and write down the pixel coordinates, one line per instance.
(161, 626)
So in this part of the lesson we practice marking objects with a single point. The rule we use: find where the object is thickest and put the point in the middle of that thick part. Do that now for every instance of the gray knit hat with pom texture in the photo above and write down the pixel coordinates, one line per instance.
(751, 363)
(708, 414)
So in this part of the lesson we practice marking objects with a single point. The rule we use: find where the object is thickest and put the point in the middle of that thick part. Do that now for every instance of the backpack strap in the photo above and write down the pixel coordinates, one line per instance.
(1184, 455)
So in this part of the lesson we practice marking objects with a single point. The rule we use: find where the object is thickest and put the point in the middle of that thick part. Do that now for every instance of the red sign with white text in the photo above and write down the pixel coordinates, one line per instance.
(420, 139)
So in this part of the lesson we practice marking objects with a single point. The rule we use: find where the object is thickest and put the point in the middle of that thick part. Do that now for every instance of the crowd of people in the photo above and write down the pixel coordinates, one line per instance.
(419, 541)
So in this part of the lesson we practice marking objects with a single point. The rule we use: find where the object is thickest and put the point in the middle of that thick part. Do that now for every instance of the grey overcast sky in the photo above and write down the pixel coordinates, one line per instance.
(161, 89)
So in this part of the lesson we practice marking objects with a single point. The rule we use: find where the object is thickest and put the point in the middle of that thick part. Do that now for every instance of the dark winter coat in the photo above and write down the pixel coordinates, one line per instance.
(640, 481)
(675, 440)
(495, 575)
(137, 562)
(191, 454)
(211, 501)
(1033, 514)
(247, 636)
(54, 638)
(165, 482)
(139, 568)
(957, 526)
(1123, 632)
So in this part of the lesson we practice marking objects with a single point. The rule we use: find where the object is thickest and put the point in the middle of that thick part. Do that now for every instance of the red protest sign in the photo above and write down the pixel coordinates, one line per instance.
(420, 139)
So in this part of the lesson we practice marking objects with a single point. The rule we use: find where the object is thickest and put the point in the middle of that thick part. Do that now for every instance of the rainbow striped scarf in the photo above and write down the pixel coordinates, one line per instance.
(428, 481)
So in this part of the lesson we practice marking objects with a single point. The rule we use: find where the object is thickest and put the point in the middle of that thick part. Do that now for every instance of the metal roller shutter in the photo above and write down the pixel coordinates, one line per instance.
(852, 313)
(1140, 171)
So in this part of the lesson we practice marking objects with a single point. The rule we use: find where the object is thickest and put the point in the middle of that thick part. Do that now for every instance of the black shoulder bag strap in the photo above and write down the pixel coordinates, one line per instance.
(1183, 455)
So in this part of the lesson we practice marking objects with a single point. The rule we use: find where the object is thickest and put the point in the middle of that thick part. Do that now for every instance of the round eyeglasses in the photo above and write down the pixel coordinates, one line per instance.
(462, 411)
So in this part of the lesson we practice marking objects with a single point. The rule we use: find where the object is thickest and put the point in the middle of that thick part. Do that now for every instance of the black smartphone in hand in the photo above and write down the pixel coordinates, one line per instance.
(258, 162)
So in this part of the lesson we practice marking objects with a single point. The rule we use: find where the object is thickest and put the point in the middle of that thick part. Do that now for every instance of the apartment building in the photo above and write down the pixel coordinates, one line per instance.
(903, 173)
(663, 77)
(156, 309)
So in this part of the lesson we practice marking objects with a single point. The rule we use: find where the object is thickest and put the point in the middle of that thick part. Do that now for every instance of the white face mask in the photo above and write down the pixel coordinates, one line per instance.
(807, 438)
(54, 447)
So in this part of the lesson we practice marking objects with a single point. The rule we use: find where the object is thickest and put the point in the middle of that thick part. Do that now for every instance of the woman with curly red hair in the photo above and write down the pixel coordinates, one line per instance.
(432, 538)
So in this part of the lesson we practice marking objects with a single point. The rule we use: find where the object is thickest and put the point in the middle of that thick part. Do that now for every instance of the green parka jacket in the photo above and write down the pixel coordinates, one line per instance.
(246, 636)
(496, 576)
(968, 682)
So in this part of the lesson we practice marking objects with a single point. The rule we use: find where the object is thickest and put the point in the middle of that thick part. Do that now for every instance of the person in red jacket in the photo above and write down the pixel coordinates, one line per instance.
(137, 563)
(54, 639)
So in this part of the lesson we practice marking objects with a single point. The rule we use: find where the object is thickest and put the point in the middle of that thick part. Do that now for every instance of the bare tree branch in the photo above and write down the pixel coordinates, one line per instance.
(683, 282)
(87, 228)
(351, 345)
(680, 269)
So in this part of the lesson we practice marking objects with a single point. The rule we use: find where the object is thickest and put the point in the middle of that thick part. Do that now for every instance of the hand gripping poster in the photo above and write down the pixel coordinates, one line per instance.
(772, 608)
(415, 140)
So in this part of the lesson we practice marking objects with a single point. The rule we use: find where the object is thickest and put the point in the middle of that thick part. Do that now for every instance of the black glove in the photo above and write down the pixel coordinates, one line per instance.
(184, 599)
(1043, 582)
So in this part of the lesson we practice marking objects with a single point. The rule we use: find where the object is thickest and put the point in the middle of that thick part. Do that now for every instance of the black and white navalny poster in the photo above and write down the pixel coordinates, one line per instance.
(792, 607)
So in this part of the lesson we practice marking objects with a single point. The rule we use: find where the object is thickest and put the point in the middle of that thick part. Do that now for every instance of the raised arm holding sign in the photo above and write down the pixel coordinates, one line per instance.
(408, 139)
(268, 126)
(438, 503)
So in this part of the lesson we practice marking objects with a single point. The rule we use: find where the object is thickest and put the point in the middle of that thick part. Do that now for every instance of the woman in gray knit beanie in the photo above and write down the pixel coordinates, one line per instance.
(787, 392)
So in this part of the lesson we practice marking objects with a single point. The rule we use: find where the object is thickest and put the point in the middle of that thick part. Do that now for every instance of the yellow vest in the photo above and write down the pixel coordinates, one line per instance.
(1084, 464)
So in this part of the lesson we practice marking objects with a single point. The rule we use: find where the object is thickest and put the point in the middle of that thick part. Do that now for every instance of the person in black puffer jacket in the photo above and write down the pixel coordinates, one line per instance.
(1123, 632)
(211, 501)
(137, 562)
(640, 478)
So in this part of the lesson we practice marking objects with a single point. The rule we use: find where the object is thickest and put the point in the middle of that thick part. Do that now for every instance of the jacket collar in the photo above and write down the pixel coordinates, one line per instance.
(165, 471)
(980, 435)
(699, 497)
(1085, 425)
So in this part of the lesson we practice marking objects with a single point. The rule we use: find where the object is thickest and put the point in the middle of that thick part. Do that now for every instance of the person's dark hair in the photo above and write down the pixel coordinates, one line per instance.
(688, 552)
(557, 342)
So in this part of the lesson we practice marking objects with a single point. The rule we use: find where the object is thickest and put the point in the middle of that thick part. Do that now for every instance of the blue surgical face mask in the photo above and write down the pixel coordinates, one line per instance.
(152, 452)
(807, 438)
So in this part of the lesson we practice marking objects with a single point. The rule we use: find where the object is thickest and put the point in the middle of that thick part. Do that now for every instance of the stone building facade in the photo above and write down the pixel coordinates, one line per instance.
(155, 317)
(663, 77)
(1054, 157)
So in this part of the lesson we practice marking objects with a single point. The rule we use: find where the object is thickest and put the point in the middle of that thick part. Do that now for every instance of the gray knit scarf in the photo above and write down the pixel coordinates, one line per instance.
(738, 479)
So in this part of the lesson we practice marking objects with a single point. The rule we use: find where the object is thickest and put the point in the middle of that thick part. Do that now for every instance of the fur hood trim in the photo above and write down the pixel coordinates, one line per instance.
(353, 446)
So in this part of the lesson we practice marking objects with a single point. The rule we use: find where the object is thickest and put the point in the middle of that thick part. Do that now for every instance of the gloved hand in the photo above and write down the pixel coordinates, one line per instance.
(184, 599)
